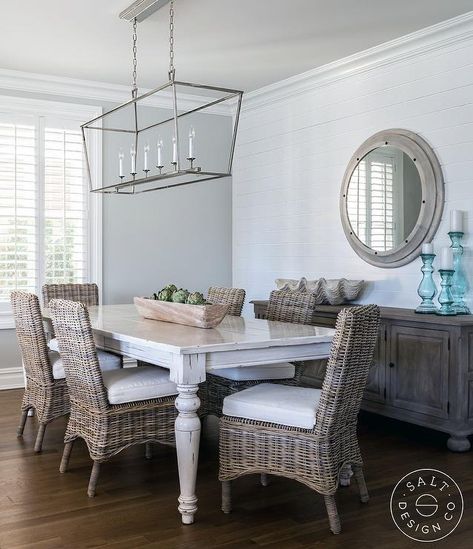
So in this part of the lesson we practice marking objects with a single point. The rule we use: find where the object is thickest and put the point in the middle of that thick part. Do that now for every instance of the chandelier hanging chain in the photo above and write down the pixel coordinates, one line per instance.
(134, 87)
(172, 70)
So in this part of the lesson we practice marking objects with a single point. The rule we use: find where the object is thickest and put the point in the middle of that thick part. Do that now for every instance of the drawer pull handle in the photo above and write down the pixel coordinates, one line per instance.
(391, 364)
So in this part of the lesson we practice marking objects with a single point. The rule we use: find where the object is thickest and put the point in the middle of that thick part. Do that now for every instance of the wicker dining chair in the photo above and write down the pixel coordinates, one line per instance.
(43, 393)
(235, 297)
(284, 306)
(301, 433)
(109, 410)
(86, 293)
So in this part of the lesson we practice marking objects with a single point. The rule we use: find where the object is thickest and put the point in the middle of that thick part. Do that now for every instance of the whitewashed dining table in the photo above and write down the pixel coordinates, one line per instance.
(190, 352)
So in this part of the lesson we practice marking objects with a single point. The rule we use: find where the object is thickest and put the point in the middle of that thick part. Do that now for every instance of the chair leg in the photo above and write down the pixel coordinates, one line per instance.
(94, 476)
(264, 479)
(39, 438)
(226, 496)
(65, 456)
(332, 512)
(345, 475)
(360, 480)
(21, 427)
(148, 450)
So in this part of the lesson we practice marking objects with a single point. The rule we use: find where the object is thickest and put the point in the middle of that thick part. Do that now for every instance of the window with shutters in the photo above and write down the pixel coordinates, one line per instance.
(374, 192)
(49, 221)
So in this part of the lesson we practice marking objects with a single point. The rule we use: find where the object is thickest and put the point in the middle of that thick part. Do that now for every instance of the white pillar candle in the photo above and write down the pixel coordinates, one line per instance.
(160, 153)
(145, 157)
(446, 259)
(428, 248)
(174, 150)
(133, 159)
(456, 221)
(191, 142)
(121, 156)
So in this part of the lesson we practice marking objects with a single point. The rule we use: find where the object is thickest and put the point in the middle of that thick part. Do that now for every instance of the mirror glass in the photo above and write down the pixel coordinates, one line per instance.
(384, 198)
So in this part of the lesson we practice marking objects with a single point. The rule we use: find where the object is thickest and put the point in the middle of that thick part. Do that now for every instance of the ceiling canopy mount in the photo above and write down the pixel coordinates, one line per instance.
(142, 9)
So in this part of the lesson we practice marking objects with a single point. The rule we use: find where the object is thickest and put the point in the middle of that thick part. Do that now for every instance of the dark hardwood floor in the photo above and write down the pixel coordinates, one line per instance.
(136, 498)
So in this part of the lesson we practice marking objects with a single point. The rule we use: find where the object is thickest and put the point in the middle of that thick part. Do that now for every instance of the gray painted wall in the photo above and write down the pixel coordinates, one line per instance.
(9, 352)
(181, 235)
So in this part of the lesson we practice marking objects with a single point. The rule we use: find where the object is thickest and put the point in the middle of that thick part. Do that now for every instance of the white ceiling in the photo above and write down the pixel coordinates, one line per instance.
(237, 43)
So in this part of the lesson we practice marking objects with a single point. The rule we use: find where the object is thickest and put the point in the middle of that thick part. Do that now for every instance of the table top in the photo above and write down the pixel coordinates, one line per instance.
(122, 322)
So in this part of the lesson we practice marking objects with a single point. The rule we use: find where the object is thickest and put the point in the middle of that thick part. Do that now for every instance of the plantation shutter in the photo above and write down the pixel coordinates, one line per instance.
(381, 188)
(44, 229)
(370, 202)
(65, 207)
(18, 205)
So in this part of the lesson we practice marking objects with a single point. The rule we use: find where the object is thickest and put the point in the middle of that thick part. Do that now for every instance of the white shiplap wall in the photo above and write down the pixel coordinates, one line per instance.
(296, 139)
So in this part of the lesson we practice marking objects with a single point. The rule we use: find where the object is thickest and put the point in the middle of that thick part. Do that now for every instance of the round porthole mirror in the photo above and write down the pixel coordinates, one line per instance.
(392, 198)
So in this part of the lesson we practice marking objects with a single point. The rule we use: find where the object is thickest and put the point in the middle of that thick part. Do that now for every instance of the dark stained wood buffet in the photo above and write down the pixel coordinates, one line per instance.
(422, 372)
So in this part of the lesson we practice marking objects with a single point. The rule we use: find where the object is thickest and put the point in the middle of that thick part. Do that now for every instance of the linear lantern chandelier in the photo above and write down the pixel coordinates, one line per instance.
(176, 134)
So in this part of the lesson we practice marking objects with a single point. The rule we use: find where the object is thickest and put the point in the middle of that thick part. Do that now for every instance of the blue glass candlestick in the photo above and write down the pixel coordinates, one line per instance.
(427, 289)
(459, 282)
(445, 296)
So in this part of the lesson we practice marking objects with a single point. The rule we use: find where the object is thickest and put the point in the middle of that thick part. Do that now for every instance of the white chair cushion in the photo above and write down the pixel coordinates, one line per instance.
(285, 370)
(134, 384)
(107, 361)
(282, 404)
(53, 345)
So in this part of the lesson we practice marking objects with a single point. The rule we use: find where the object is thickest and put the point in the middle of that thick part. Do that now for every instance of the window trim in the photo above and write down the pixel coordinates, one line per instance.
(77, 113)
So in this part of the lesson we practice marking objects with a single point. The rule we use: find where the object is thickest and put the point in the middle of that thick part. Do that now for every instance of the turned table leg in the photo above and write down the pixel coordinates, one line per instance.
(187, 442)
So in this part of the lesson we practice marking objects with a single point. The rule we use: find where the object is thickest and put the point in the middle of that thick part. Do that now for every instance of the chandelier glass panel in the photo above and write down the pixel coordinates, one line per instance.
(176, 134)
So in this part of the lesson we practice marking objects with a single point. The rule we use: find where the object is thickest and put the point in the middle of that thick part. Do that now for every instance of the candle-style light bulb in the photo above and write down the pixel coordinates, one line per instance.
(174, 151)
(121, 157)
(160, 153)
(133, 159)
(145, 157)
(191, 142)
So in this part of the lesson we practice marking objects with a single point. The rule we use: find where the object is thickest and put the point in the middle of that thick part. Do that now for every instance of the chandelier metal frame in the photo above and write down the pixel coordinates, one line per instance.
(179, 175)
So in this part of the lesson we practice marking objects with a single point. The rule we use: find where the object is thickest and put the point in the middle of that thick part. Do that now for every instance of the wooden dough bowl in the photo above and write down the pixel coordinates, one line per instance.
(200, 316)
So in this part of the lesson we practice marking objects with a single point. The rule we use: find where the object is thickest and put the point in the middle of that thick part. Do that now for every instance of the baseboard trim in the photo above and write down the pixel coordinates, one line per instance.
(11, 378)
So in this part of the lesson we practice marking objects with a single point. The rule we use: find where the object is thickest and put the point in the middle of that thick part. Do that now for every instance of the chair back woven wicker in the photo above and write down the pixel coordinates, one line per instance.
(351, 356)
(235, 297)
(87, 293)
(48, 396)
(31, 337)
(79, 355)
(295, 307)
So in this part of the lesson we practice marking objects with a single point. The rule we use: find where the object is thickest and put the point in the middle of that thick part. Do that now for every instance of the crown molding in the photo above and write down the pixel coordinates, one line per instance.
(91, 90)
(420, 42)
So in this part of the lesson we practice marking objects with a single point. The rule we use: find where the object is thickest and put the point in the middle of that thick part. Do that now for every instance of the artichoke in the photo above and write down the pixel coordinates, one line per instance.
(171, 287)
(180, 296)
(165, 295)
(195, 298)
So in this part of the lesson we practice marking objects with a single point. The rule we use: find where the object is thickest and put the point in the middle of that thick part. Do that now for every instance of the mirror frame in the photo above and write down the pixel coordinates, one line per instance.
(433, 197)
